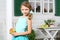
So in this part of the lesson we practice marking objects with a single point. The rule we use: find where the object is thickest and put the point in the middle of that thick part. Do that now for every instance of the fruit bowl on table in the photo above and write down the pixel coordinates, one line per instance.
(43, 26)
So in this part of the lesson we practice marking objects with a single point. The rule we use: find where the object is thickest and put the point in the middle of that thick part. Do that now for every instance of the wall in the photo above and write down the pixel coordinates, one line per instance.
(2, 9)
(2, 19)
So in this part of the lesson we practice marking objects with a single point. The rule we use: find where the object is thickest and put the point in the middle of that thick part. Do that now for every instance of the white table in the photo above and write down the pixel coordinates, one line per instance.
(55, 29)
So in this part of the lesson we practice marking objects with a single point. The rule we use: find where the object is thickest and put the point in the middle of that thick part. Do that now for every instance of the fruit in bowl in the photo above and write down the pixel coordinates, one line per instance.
(43, 26)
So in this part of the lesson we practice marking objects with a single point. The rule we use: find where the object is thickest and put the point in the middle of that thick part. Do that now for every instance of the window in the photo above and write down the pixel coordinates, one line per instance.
(43, 6)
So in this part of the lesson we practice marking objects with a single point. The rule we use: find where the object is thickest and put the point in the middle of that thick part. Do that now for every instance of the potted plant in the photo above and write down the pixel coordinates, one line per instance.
(49, 22)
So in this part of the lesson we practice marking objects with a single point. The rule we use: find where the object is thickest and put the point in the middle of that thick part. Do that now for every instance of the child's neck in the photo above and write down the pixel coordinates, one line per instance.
(24, 16)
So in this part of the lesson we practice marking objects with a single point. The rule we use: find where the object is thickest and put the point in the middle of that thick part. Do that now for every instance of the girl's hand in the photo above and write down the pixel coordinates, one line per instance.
(15, 34)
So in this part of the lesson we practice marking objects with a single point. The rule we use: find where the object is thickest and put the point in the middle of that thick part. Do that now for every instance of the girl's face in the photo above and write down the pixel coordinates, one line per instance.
(25, 10)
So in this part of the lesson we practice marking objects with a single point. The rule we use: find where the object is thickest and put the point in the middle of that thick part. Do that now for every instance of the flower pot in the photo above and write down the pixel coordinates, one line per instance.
(51, 25)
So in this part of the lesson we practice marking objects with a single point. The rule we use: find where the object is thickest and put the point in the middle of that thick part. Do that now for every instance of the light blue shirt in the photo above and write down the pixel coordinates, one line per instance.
(21, 24)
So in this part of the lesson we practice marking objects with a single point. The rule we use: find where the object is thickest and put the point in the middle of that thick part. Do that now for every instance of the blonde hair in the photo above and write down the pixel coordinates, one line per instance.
(27, 4)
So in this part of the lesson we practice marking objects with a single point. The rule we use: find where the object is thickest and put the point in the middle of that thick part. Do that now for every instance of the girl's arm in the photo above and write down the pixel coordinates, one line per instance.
(28, 30)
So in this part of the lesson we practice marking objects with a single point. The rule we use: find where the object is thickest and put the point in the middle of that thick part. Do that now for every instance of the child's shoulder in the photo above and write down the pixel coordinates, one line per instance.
(21, 17)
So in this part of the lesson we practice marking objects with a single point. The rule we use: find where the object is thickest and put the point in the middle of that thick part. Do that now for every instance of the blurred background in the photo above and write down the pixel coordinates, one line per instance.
(42, 10)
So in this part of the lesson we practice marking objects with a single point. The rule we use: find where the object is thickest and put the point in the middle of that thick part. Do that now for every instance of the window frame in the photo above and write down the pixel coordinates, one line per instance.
(42, 7)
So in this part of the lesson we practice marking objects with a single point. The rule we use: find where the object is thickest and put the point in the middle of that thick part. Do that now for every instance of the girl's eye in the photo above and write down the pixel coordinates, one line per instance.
(22, 9)
(26, 9)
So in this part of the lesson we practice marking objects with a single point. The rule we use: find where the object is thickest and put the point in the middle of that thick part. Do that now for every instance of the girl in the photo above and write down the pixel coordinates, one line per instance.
(24, 23)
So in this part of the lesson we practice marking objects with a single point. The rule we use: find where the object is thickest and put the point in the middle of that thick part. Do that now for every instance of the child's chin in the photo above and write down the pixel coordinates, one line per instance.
(25, 14)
